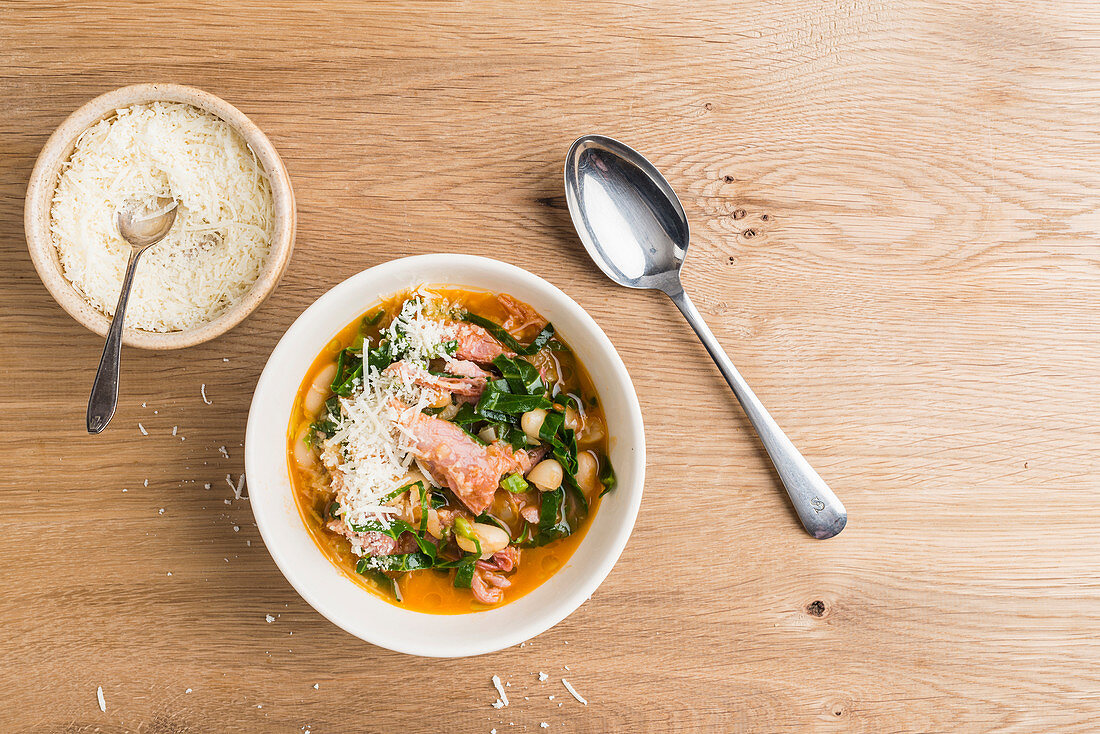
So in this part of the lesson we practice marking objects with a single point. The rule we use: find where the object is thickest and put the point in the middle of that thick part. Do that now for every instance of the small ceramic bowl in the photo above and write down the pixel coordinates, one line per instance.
(329, 590)
(44, 179)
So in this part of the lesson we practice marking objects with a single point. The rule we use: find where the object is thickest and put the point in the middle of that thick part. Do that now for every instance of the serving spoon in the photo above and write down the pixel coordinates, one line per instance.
(142, 230)
(633, 226)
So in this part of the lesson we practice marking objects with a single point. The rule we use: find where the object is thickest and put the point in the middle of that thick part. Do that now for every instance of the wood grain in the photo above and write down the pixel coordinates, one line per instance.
(895, 234)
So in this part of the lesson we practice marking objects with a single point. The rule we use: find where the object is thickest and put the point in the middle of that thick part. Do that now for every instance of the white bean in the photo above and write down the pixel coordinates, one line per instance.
(491, 537)
(587, 472)
(303, 454)
(572, 419)
(319, 390)
(546, 475)
(531, 422)
(434, 526)
(593, 430)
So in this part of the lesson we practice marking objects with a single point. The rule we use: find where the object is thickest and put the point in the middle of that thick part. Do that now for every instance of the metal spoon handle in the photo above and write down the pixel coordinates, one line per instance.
(820, 511)
(104, 398)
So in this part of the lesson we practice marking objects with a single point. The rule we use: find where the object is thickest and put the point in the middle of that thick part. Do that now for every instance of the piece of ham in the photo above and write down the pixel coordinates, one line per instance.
(503, 560)
(465, 368)
(467, 388)
(476, 344)
(520, 315)
(488, 587)
(371, 543)
(453, 458)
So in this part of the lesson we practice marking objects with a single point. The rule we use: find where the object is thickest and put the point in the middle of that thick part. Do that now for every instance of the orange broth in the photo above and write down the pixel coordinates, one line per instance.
(432, 591)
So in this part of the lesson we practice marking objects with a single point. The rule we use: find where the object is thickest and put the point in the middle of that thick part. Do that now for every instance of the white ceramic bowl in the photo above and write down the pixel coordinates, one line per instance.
(350, 606)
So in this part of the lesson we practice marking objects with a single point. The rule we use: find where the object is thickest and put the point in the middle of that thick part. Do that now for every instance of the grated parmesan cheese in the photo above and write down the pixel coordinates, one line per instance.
(99, 697)
(369, 454)
(419, 328)
(500, 690)
(223, 228)
(569, 687)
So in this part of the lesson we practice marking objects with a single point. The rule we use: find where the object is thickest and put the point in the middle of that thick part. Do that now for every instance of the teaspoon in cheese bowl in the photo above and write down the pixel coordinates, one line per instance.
(634, 228)
(141, 228)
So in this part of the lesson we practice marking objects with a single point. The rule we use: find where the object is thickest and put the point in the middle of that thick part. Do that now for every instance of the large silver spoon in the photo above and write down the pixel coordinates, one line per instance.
(633, 226)
(141, 229)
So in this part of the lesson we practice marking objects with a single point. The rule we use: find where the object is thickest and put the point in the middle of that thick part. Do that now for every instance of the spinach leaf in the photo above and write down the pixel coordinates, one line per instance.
(523, 377)
(497, 403)
(607, 475)
(553, 520)
(464, 576)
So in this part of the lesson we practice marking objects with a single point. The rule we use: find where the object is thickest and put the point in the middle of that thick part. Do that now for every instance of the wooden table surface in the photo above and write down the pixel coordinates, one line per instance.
(895, 223)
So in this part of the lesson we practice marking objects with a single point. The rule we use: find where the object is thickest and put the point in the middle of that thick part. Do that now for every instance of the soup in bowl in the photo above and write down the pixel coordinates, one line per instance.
(459, 442)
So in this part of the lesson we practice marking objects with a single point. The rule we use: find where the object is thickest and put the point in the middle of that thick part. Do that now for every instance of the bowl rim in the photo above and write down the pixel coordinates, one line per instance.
(43, 181)
(304, 581)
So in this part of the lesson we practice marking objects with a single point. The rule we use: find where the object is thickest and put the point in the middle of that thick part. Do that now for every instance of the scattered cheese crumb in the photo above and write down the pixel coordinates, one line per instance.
(142, 429)
(566, 667)
(174, 429)
(102, 702)
(223, 452)
(573, 691)
(187, 691)
(500, 690)
(237, 491)
(544, 725)
(236, 528)
(543, 676)
(169, 573)
(268, 617)
(206, 485)
(316, 686)
(160, 511)
(225, 359)
(204, 398)
(551, 698)
(143, 405)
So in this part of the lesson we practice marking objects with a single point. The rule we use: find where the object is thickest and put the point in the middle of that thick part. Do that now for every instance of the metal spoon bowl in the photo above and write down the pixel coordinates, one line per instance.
(141, 229)
(633, 226)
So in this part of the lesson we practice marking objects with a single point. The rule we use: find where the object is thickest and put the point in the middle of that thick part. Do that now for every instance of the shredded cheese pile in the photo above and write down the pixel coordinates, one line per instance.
(369, 455)
(224, 224)
(419, 328)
